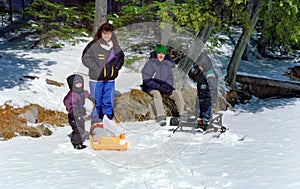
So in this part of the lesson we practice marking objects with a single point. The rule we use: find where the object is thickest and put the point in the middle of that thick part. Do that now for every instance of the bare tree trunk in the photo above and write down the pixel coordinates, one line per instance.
(2, 13)
(100, 14)
(148, 2)
(245, 53)
(23, 8)
(241, 45)
(166, 32)
(262, 43)
(205, 32)
(109, 6)
(10, 11)
(202, 37)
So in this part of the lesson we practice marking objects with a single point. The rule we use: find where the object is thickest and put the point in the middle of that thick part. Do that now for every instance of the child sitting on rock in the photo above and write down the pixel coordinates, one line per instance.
(74, 102)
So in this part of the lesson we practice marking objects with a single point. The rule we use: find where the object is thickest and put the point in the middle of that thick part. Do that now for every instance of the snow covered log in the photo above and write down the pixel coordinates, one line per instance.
(267, 87)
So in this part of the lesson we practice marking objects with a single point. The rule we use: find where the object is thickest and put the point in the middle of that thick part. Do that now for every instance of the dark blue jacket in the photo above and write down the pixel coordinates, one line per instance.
(203, 91)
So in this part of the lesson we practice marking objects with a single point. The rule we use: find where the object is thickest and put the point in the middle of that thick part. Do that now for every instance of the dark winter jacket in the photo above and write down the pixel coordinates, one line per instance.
(75, 98)
(158, 76)
(203, 91)
(102, 64)
(211, 76)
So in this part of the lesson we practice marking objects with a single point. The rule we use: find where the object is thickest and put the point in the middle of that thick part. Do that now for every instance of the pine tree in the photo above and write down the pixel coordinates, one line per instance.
(54, 22)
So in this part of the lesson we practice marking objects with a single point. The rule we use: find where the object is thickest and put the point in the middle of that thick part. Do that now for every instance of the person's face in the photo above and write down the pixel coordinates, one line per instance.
(106, 35)
(161, 56)
(78, 85)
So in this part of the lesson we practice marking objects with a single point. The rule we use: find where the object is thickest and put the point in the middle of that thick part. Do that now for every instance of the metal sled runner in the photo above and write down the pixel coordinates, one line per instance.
(215, 125)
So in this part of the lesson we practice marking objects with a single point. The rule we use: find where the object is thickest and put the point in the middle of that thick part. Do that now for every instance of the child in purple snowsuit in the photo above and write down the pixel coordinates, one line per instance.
(74, 102)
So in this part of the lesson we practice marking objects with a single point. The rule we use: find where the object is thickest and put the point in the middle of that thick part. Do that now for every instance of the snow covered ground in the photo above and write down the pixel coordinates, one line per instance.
(268, 157)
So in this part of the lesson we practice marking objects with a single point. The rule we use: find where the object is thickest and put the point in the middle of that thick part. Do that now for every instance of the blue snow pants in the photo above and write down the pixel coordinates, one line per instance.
(103, 92)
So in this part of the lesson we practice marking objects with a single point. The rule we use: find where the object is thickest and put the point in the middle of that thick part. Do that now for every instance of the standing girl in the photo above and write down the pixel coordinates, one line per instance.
(104, 58)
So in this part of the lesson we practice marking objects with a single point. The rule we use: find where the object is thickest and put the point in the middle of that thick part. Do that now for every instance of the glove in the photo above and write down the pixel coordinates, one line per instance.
(165, 88)
(78, 112)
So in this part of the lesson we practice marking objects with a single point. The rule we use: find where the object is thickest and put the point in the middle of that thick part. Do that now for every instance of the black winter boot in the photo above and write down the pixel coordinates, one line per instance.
(79, 146)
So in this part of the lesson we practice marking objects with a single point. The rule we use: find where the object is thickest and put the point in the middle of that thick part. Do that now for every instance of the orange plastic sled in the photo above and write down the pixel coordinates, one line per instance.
(109, 143)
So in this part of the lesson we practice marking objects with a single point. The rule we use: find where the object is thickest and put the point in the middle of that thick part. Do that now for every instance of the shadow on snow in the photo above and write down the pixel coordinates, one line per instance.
(14, 67)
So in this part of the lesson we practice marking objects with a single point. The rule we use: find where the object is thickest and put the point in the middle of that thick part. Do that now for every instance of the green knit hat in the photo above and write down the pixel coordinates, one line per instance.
(161, 49)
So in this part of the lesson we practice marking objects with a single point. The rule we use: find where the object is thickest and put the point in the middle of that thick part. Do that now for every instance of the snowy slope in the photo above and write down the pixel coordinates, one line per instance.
(267, 158)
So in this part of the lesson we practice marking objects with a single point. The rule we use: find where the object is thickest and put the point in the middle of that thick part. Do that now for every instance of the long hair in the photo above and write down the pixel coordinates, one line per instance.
(108, 28)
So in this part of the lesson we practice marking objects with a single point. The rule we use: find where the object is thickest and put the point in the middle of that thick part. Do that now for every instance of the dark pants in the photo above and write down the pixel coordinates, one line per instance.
(204, 96)
(78, 127)
(205, 107)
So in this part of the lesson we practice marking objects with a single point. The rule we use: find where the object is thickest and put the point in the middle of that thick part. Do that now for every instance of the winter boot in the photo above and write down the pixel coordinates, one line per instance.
(162, 120)
(174, 121)
(204, 127)
(201, 124)
(79, 146)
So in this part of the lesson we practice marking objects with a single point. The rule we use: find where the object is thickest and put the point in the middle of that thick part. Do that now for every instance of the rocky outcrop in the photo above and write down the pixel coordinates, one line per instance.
(32, 120)
(136, 105)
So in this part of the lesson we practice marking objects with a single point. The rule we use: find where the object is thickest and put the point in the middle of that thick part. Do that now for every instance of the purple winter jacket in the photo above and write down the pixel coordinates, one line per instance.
(73, 99)
(76, 96)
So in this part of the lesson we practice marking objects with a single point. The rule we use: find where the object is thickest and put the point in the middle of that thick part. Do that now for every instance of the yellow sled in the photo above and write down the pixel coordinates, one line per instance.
(109, 143)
